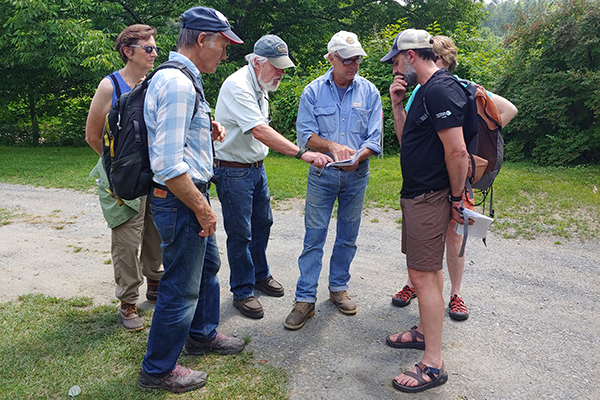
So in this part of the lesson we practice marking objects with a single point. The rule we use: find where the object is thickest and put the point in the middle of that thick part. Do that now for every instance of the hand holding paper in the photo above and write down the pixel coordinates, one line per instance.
(349, 161)
(479, 227)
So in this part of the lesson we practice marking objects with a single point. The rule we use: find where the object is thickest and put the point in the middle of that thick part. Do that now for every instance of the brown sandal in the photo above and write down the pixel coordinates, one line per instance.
(422, 369)
(413, 344)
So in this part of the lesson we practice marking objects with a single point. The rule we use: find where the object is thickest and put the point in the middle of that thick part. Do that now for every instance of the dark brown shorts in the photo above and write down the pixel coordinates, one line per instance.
(425, 220)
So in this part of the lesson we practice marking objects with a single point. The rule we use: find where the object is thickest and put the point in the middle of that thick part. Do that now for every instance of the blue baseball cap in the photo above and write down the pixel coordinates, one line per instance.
(209, 20)
(275, 50)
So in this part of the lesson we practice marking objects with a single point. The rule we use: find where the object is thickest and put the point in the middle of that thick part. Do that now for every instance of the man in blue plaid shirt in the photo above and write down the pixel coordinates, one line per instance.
(179, 139)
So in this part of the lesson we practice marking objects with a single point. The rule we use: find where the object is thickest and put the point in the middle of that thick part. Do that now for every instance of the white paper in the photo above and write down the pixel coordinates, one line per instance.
(479, 227)
(348, 162)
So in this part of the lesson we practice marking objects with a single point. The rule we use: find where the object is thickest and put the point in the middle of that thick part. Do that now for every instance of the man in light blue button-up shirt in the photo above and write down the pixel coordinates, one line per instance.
(180, 148)
(340, 114)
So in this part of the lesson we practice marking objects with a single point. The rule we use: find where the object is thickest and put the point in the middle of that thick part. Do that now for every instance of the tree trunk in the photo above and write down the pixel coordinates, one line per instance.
(35, 126)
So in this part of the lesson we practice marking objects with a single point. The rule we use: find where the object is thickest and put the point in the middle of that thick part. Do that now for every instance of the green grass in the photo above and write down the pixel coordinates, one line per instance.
(58, 167)
(529, 200)
(48, 345)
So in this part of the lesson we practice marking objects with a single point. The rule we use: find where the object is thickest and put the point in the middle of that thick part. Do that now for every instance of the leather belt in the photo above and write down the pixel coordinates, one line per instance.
(233, 164)
(202, 187)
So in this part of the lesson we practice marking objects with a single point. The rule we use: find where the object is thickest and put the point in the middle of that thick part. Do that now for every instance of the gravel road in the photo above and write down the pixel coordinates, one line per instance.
(533, 332)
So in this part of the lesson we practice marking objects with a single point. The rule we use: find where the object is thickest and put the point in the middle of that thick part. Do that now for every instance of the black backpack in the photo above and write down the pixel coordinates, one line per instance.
(482, 131)
(125, 139)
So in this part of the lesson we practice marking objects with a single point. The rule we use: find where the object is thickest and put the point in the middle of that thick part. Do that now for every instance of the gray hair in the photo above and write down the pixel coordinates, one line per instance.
(189, 38)
(259, 59)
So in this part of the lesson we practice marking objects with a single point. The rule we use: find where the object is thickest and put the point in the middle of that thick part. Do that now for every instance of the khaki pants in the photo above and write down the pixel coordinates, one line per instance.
(126, 240)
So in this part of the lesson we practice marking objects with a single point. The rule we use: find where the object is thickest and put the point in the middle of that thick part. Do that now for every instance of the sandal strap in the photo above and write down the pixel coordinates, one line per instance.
(415, 334)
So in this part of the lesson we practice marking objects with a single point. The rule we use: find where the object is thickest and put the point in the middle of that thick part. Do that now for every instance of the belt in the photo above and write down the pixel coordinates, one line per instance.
(202, 187)
(232, 164)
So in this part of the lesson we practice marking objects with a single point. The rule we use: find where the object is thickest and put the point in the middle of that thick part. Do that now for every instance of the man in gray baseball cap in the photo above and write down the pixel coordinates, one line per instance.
(243, 109)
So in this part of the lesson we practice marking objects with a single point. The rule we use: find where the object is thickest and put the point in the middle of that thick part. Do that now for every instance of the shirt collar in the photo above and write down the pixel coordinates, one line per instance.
(329, 79)
(254, 80)
(173, 55)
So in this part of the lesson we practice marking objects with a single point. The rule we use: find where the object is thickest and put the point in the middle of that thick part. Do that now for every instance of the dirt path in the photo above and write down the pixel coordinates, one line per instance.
(532, 334)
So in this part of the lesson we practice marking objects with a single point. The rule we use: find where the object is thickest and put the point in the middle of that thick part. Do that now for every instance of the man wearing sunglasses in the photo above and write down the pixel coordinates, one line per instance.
(340, 115)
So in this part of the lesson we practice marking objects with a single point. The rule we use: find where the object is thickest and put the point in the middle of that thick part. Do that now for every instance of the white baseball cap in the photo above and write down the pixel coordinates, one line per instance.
(346, 44)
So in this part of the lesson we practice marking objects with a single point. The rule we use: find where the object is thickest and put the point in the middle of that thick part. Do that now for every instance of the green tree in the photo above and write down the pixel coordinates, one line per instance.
(552, 75)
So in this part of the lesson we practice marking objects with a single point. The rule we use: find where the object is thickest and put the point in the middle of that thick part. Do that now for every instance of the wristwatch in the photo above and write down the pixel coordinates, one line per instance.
(300, 152)
(453, 199)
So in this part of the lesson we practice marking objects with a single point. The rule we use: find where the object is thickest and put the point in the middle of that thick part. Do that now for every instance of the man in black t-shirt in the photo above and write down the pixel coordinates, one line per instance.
(434, 170)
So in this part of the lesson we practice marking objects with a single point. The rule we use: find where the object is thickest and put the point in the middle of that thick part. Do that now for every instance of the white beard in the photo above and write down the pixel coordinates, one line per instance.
(268, 86)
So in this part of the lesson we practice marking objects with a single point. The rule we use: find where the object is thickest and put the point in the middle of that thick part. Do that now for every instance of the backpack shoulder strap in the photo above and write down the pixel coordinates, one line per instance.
(188, 74)
(446, 75)
(113, 78)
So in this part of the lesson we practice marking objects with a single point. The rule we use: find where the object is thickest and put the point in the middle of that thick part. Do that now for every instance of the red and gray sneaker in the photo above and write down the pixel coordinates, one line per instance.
(220, 344)
(403, 297)
(180, 380)
(458, 310)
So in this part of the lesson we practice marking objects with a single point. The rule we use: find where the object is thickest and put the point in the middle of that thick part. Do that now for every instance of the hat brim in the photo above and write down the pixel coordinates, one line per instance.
(233, 38)
(389, 56)
(282, 62)
(349, 53)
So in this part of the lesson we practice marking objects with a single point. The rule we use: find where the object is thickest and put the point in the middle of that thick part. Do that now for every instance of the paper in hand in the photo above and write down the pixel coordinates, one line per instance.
(348, 162)
(479, 227)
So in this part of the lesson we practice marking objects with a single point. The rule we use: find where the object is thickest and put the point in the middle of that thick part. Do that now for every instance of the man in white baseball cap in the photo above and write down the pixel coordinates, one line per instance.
(340, 115)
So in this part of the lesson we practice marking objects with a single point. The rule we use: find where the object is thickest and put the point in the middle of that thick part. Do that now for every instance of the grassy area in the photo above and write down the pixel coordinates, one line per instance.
(59, 167)
(529, 200)
(48, 345)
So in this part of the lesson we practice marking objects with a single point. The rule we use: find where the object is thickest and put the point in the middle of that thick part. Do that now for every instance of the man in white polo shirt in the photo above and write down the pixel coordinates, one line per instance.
(243, 109)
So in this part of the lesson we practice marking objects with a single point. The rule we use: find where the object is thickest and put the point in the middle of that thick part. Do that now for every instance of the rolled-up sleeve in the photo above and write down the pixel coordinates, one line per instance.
(306, 123)
(173, 107)
(375, 125)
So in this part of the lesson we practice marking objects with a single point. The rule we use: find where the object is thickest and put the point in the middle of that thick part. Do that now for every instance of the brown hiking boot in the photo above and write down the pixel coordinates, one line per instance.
(249, 307)
(129, 317)
(270, 287)
(152, 290)
(300, 314)
(343, 302)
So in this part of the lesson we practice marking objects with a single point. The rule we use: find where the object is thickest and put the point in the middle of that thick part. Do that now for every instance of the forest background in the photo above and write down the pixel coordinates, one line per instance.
(543, 55)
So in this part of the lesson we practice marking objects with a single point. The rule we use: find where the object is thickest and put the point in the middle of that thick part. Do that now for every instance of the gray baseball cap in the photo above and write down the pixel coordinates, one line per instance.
(409, 39)
(275, 50)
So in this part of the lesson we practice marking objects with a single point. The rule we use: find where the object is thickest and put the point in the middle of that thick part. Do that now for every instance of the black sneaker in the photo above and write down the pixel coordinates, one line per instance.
(180, 380)
(220, 344)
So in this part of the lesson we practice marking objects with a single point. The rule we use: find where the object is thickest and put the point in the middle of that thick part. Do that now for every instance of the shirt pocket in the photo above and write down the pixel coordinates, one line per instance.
(326, 119)
(359, 121)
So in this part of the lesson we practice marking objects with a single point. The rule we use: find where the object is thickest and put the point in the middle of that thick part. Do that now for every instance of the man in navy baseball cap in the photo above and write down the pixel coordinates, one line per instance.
(180, 137)
(209, 20)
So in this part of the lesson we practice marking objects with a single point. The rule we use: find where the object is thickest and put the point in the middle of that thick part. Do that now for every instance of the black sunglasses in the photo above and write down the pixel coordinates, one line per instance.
(147, 49)
(348, 61)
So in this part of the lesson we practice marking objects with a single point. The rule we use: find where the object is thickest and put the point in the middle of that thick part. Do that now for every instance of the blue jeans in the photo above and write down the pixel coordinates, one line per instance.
(188, 300)
(324, 187)
(247, 218)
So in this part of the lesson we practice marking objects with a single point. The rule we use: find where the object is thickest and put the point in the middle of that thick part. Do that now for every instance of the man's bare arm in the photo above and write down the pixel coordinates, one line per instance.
(276, 141)
(455, 155)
